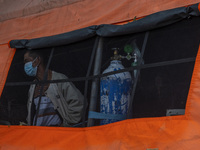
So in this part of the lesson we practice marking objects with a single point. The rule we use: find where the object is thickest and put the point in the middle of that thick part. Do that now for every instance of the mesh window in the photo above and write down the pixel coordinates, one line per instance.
(163, 82)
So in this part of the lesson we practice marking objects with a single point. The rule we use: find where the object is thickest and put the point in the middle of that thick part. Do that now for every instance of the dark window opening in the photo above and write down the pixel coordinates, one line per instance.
(158, 88)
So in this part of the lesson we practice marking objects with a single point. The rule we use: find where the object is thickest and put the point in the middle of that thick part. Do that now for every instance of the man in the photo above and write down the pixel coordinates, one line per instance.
(60, 103)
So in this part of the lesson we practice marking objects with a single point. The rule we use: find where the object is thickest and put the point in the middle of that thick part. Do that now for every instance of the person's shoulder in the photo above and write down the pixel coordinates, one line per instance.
(57, 75)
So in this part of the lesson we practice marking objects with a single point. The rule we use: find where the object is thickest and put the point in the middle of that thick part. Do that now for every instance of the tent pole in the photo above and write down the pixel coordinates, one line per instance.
(95, 82)
(42, 87)
(86, 81)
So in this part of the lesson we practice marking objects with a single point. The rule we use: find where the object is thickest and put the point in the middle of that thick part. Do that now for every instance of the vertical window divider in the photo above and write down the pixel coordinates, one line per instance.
(42, 87)
(130, 105)
(85, 104)
(95, 82)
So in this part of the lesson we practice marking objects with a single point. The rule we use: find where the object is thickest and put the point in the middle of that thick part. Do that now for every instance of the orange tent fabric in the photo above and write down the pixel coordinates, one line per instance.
(14, 9)
(174, 132)
(16, 22)
(6, 57)
(56, 19)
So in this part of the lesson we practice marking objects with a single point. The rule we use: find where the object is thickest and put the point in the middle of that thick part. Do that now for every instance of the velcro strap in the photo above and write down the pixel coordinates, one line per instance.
(97, 115)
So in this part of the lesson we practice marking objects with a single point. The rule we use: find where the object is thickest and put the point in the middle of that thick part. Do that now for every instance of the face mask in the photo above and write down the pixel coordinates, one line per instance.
(29, 69)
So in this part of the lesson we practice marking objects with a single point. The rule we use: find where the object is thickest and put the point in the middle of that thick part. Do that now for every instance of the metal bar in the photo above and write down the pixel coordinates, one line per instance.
(42, 87)
(158, 64)
(130, 105)
(86, 81)
(95, 87)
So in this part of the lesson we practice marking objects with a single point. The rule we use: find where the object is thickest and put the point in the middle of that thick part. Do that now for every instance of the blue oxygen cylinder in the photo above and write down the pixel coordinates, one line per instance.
(115, 92)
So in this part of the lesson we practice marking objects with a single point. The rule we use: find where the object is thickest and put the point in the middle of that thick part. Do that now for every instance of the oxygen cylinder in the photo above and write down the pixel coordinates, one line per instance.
(115, 91)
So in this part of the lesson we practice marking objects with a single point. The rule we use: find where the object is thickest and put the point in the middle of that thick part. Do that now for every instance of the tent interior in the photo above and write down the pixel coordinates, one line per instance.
(163, 83)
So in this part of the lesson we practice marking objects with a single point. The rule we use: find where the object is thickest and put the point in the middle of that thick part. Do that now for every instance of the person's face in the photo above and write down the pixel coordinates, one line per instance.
(27, 58)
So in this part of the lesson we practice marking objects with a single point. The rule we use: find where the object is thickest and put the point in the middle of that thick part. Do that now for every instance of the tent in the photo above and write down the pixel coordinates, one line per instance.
(169, 34)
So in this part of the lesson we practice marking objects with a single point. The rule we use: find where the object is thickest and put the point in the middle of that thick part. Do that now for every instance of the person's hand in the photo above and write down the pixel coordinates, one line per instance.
(23, 124)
